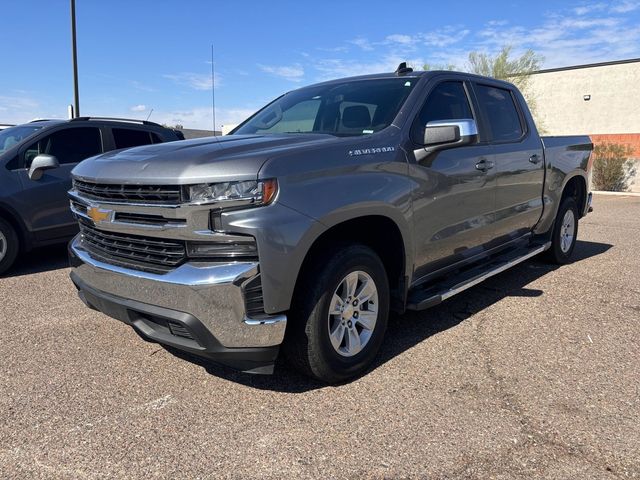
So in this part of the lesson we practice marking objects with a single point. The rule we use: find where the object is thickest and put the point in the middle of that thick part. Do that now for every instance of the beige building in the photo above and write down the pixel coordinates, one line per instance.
(601, 100)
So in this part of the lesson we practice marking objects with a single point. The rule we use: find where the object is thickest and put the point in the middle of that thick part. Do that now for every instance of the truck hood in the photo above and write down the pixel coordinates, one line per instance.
(212, 159)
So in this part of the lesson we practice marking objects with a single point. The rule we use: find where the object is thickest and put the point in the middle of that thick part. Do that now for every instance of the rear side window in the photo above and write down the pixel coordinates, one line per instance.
(501, 113)
(71, 145)
(125, 137)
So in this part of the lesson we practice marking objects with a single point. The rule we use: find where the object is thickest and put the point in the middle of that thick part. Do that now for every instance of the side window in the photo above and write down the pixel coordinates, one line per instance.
(155, 138)
(33, 151)
(448, 101)
(501, 113)
(71, 145)
(125, 137)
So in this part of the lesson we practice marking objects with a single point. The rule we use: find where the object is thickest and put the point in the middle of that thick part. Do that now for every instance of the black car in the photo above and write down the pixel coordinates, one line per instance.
(36, 160)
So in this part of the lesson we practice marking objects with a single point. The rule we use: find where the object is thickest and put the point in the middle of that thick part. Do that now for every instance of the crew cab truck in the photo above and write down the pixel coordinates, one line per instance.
(328, 208)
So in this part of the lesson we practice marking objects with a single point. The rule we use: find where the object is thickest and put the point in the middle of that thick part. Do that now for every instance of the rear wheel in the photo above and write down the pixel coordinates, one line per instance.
(8, 245)
(339, 315)
(565, 232)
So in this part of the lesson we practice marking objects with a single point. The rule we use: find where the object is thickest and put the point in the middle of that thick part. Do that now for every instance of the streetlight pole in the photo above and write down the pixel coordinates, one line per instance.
(76, 97)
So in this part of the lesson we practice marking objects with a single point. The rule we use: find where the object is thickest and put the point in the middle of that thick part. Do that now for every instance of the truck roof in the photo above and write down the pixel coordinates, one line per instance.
(411, 74)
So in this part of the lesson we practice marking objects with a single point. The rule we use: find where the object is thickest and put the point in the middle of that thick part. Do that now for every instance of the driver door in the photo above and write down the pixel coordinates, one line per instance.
(44, 203)
(454, 194)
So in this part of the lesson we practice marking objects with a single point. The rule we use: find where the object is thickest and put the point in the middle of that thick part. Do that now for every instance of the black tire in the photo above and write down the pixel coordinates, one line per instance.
(9, 245)
(556, 254)
(307, 343)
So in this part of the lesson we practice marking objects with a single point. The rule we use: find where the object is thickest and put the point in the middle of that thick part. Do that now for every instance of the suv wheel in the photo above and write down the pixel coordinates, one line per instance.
(8, 245)
(339, 315)
(565, 232)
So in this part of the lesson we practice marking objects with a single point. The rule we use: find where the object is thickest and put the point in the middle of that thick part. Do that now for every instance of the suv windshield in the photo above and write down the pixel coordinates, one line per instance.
(358, 107)
(13, 135)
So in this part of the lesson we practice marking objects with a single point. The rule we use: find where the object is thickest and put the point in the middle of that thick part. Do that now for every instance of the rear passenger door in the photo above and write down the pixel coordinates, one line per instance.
(44, 203)
(518, 158)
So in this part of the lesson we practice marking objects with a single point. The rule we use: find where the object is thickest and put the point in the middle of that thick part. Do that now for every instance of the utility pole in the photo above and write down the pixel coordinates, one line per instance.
(76, 97)
(213, 92)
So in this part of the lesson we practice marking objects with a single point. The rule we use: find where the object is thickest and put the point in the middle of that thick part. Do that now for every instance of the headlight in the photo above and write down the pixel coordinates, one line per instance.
(253, 192)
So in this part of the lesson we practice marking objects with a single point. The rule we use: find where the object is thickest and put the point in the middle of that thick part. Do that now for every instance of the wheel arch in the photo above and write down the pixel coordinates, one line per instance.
(383, 234)
(575, 186)
(10, 216)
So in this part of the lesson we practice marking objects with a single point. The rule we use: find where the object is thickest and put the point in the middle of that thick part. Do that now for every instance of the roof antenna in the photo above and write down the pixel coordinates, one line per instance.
(403, 69)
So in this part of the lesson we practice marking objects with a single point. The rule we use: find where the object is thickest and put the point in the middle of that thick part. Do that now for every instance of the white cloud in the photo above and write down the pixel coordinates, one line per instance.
(625, 7)
(399, 38)
(138, 108)
(564, 39)
(445, 37)
(363, 43)
(197, 81)
(23, 108)
(589, 8)
(293, 73)
(141, 86)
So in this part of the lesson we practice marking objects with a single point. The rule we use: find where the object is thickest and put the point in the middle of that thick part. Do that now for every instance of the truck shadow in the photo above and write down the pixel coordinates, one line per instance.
(406, 331)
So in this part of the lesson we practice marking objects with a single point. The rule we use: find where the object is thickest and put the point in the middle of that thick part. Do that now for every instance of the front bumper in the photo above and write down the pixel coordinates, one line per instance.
(198, 308)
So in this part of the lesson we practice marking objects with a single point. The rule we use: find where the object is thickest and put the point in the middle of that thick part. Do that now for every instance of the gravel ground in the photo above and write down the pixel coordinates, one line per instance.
(533, 374)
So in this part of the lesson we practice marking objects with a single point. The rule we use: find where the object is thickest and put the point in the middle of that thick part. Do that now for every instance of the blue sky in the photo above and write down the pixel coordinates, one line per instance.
(138, 55)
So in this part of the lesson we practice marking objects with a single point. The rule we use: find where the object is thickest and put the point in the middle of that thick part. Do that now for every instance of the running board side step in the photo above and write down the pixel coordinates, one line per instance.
(447, 288)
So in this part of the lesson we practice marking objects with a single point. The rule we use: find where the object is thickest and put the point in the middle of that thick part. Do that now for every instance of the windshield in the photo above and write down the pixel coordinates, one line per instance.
(13, 135)
(358, 107)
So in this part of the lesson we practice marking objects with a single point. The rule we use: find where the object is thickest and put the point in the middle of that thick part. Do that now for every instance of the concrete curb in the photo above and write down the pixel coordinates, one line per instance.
(626, 194)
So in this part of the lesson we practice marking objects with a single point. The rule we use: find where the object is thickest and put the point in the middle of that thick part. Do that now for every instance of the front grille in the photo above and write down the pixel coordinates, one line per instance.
(132, 251)
(146, 219)
(155, 194)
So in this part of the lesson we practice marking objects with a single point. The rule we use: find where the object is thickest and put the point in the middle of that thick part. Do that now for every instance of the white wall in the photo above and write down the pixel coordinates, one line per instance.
(614, 106)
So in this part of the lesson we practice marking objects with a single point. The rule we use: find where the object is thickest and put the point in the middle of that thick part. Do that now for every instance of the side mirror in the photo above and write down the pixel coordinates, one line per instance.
(450, 133)
(41, 163)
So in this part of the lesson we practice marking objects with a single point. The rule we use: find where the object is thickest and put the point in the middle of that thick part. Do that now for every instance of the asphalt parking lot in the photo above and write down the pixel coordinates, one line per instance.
(535, 373)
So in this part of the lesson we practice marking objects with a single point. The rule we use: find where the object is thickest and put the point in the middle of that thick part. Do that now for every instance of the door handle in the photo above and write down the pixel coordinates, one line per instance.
(535, 159)
(484, 165)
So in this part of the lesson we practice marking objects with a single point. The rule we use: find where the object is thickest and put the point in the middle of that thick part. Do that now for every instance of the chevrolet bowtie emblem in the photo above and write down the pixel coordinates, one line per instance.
(98, 214)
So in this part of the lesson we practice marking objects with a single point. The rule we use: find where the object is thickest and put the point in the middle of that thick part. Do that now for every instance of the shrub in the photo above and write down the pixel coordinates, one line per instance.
(612, 167)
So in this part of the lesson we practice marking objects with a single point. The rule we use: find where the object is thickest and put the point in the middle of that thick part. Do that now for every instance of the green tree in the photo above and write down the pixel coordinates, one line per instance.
(504, 66)
(439, 66)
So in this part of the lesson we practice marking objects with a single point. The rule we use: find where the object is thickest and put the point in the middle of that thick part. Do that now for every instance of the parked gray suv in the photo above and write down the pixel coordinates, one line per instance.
(36, 160)
(328, 208)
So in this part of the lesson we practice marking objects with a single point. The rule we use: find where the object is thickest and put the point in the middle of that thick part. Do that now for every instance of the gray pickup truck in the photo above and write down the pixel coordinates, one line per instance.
(327, 209)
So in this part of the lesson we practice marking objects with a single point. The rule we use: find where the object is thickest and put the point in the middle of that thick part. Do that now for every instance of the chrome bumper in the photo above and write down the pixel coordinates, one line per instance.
(212, 293)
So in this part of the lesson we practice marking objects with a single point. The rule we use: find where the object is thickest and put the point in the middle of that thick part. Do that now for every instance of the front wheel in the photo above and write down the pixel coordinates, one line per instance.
(8, 245)
(339, 315)
(565, 232)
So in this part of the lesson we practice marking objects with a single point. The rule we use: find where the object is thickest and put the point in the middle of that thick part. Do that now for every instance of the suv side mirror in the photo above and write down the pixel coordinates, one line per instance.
(41, 163)
(450, 133)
